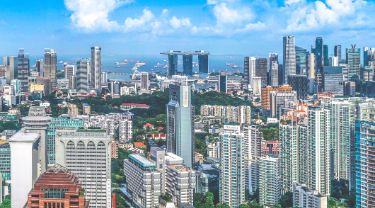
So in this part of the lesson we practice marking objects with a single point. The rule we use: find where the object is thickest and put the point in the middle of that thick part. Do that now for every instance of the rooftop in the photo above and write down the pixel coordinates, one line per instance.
(141, 161)
(24, 137)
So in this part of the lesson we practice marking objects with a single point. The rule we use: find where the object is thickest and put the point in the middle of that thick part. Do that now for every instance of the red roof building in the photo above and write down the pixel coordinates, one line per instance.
(129, 106)
(139, 145)
(57, 187)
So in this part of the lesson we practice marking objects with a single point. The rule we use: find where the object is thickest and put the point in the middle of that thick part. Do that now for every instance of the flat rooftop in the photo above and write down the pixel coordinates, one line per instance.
(24, 137)
(141, 161)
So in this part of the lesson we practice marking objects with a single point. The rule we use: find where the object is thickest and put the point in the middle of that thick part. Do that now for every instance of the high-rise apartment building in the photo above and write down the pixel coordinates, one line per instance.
(305, 198)
(96, 68)
(125, 130)
(319, 150)
(280, 101)
(180, 122)
(57, 187)
(87, 154)
(289, 57)
(353, 59)
(365, 164)
(269, 181)
(233, 169)
(50, 67)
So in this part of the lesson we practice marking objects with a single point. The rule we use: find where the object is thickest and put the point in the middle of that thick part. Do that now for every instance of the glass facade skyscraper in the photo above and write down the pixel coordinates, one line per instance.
(289, 57)
(353, 59)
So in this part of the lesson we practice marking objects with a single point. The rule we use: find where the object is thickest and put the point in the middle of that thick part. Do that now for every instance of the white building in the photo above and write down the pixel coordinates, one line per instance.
(125, 130)
(96, 68)
(25, 167)
(87, 154)
(143, 181)
(269, 181)
(305, 198)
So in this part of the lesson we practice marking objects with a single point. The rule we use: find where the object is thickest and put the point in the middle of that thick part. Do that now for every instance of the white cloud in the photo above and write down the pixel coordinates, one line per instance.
(318, 14)
(178, 23)
(225, 14)
(93, 14)
(134, 23)
(289, 2)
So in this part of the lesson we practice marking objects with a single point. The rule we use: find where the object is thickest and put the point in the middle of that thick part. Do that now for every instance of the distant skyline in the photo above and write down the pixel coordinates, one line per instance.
(140, 27)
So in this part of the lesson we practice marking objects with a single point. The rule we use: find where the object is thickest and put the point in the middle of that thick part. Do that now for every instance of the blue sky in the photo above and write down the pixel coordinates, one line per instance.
(123, 27)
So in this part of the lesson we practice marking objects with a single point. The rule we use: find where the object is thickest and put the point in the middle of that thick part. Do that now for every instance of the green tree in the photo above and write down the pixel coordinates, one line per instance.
(204, 200)
(6, 203)
(286, 200)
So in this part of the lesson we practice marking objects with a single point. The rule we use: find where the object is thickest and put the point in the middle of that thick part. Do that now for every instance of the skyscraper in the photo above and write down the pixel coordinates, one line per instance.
(10, 63)
(172, 64)
(232, 169)
(261, 70)
(319, 53)
(50, 67)
(273, 70)
(180, 122)
(333, 80)
(203, 63)
(269, 181)
(369, 56)
(249, 69)
(301, 61)
(353, 59)
(187, 64)
(300, 84)
(82, 76)
(145, 83)
(87, 154)
(365, 164)
(223, 82)
(289, 57)
(325, 55)
(96, 68)
(337, 52)
(23, 70)
(319, 150)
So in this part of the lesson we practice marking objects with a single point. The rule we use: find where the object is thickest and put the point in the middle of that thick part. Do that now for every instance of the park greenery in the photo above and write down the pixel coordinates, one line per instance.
(9, 125)
(6, 202)
(118, 167)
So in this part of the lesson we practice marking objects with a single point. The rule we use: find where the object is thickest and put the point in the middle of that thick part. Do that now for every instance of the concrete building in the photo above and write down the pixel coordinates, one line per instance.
(365, 151)
(82, 75)
(305, 198)
(87, 154)
(289, 57)
(333, 80)
(10, 64)
(25, 165)
(319, 150)
(281, 101)
(145, 82)
(23, 70)
(300, 84)
(50, 67)
(180, 122)
(232, 169)
(228, 114)
(96, 68)
(143, 181)
(57, 187)
(269, 181)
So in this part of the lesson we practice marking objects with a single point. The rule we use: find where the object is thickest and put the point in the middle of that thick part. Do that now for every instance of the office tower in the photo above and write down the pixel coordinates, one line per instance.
(203, 63)
(4, 160)
(10, 63)
(273, 70)
(25, 170)
(305, 198)
(269, 181)
(319, 54)
(223, 82)
(367, 73)
(180, 122)
(57, 187)
(289, 58)
(301, 60)
(96, 68)
(261, 70)
(172, 64)
(311, 65)
(293, 146)
(125, 130)
(73, 146)
(342, 115)
(23, 70)
(365, 164)
(300, 84)
(187, 64)
(325, 55)
(82, 76)
(115, 89)
(249, 69)
(58, 123)
(232, 169)
(353, 60)
(252, 138)
(281, 101)
(319, 150)
(39, 66)
(69, 71)
(333, 80)
(143, 181)
(337, 52)
(145, 83)
(37, 122)
(50, 67)
(368, 56)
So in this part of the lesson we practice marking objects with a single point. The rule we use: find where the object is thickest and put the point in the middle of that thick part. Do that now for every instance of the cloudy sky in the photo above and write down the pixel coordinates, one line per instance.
(239, 27)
